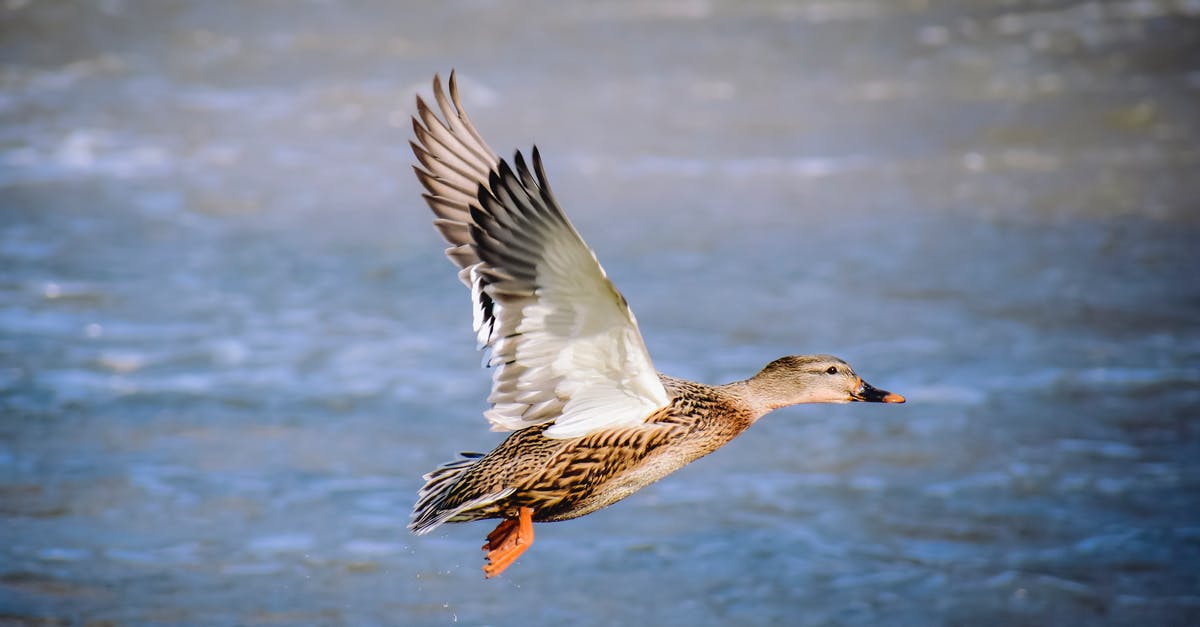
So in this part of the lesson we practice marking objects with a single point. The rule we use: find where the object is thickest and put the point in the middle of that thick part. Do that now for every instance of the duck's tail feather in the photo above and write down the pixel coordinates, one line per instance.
(431, 511)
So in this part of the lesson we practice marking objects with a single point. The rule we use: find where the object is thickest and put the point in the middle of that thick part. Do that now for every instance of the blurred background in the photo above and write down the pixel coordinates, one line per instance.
(230, 344)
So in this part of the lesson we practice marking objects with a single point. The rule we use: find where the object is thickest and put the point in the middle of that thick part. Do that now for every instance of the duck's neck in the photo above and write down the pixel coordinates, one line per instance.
(757, 399)
(763, 395)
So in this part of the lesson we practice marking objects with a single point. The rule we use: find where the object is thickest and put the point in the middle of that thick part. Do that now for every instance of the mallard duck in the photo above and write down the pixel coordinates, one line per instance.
(591, 420)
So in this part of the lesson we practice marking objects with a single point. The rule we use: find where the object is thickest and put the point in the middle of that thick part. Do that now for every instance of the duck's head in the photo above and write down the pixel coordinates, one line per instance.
(812, 379)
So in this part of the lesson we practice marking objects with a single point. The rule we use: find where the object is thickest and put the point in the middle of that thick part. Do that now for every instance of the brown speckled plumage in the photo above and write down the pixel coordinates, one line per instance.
(564, 479)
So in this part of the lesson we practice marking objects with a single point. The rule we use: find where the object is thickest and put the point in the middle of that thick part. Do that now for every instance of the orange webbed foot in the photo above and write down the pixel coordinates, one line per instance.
(507, 542)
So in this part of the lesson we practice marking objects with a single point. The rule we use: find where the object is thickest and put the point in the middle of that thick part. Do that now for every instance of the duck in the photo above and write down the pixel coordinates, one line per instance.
(590, 419)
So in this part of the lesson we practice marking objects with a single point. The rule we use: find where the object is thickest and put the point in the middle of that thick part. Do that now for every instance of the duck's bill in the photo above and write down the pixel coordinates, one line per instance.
(868, 393)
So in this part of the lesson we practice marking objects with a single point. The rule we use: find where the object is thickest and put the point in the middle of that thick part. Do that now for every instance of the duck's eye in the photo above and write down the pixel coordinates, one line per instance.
(831, 370)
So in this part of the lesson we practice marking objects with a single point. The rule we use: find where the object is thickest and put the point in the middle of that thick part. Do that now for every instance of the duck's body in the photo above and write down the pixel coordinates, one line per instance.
(592, 421)
(560, 479)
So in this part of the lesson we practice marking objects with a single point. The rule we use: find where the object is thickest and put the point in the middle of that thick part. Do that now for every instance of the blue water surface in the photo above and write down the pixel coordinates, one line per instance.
(230, 344)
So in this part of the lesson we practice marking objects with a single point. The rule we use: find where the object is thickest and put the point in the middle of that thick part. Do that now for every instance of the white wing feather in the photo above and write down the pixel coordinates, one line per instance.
(564, 344)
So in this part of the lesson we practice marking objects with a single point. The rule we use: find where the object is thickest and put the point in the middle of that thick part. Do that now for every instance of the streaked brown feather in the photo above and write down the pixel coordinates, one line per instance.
(563, 479)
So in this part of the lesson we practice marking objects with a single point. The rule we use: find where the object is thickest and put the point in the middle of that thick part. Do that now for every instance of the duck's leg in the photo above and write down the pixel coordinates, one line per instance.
(508, 541)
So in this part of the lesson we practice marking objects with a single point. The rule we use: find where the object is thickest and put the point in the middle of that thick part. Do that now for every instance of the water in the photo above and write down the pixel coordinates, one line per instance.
(229, 345)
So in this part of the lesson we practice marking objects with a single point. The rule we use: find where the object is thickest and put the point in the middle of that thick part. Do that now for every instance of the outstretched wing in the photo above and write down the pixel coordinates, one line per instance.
(564, 344)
